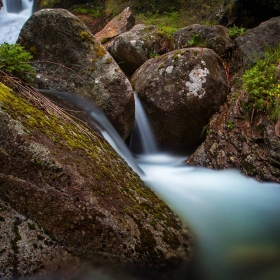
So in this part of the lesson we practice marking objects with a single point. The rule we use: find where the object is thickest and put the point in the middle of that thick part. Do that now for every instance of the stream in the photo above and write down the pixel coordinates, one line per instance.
(235, 219)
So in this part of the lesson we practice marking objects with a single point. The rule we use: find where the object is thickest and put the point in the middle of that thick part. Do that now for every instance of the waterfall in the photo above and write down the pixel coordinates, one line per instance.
(103, 124)
(142, 139)
(13, 15)
(13, 6)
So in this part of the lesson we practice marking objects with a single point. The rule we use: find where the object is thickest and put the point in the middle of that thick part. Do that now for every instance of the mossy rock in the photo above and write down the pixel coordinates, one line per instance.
(74, 185)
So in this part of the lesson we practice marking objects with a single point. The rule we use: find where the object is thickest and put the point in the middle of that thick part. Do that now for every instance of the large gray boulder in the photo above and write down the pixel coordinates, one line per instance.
(132, 48)
(180, 91)
(67, 57)
(211, 37)
(79, 192)
(255, 43)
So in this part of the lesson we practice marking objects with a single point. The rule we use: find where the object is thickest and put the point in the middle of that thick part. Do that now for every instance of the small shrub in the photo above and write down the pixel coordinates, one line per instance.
(16, 61)
(234, 32)
(262, 84)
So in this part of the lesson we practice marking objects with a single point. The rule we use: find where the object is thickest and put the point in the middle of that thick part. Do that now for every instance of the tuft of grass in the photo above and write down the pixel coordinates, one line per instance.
(234, 31)
(95, 12)
(262, 84)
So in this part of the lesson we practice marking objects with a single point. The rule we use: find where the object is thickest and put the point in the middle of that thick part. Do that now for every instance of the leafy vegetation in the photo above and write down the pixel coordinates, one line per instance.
(15, 60)
(95, 12)
(262, 84)
(234, 31)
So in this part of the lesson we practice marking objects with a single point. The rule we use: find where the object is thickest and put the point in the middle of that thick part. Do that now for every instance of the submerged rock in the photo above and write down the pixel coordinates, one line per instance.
(132, 48)
(180, 91)
(67, 57)
(80, 193)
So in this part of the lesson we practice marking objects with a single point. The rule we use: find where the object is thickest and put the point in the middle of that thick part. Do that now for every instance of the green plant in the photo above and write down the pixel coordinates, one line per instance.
(194, 40)
(95, 12)
(262, 84)
(15, 60)
(234, 32)
(205, 130)
(230, 125)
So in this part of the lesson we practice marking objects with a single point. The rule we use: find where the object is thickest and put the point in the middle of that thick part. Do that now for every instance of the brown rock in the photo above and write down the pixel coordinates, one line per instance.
(118, 25)
(232, 141)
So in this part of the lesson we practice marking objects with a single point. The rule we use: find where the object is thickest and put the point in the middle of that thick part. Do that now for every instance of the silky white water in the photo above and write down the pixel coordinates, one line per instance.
(12, 22)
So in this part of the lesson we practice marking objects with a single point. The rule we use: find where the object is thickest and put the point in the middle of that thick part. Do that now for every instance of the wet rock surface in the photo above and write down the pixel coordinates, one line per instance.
(250, 146)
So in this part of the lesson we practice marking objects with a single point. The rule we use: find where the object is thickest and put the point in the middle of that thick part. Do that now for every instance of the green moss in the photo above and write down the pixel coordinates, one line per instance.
(171, 239)
(99, 50)
(105, 40)
(83, 35)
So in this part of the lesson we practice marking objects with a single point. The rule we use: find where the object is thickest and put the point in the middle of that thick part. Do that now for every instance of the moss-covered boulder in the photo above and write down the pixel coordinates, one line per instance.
(74, 186)
(132, 48)
(67, 57)
(180, 91)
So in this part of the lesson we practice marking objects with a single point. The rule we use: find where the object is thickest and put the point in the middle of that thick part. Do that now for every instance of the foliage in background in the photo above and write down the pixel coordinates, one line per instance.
(234, 31)
(15, 60)
(95, 12)
(262, 84)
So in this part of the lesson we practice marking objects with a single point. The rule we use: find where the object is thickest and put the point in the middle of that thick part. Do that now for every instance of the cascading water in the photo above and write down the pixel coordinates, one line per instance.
(142, 139)
(13, 15)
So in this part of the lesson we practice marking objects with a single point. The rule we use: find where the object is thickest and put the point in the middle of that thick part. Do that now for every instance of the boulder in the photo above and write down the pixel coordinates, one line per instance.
(67, 57)
(233, 141)
(132, 48)
(212, 37)
(78, 191)
(180, 91)
(118, 25)
(255, 42)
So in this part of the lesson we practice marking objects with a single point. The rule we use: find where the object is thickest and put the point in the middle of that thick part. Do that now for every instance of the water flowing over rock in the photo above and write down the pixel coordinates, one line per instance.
(232, 141)
(180, 91)
(118, 25)
(79, 192)
(132, 48)
(211, 37)
(255, 42)
(67, 57)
